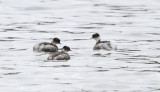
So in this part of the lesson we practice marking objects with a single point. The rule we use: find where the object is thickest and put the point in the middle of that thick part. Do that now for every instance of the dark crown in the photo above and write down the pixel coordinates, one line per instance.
(95, 35)
(66, 48)
(57, 40)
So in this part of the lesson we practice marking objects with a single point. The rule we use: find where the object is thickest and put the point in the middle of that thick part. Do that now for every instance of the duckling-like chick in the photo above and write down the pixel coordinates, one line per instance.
(105, 45)
(47, 47)
(61, 55)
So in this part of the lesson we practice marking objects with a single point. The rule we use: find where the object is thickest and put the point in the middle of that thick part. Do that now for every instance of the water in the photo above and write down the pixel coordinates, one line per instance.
(132, 24)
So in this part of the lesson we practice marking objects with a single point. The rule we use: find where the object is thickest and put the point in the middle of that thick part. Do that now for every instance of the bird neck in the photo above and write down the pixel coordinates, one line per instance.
(65, 51)
(54, 43)
(98, 40)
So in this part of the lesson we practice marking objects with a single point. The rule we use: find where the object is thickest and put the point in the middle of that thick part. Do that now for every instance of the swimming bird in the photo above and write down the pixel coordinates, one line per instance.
(60, 55)
(47, 47)
(103, 45)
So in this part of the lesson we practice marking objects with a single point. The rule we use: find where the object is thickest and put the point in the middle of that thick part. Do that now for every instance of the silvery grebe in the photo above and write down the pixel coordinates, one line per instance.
(47, 47)
(105, 45)
(60, 55)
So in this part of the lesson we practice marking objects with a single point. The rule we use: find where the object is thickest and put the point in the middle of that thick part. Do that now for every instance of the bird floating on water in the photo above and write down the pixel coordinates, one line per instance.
(103, 45)
(47, 47)
(60, 55)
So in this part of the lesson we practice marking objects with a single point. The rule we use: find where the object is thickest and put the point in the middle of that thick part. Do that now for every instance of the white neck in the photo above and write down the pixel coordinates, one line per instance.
(54, 43)
(64, 50)
(97, 39)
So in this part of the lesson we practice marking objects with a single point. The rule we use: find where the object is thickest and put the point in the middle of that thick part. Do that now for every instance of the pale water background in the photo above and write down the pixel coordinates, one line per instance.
(134, 25)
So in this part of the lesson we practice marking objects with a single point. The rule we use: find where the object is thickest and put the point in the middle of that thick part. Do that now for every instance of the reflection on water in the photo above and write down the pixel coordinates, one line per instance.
(133, 25)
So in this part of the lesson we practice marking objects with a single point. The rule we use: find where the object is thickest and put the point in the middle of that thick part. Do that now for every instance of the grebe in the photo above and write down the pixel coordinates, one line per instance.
(61, 55)
(105, 45)
(47, 47)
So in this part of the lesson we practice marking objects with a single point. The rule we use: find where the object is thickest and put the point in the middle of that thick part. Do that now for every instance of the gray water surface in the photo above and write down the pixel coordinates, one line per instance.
(134, 25)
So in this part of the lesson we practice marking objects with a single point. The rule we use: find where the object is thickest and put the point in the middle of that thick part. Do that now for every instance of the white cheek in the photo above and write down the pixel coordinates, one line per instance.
(97, 39)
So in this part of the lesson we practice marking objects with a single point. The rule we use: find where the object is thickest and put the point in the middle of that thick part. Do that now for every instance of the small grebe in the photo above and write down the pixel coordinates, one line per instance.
(105, 45)
(61, 55)
(47, 47)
